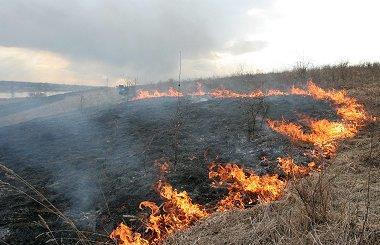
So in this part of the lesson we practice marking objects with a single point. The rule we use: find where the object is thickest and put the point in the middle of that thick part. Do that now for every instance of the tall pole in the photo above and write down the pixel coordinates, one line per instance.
(178, 114)
(180, 69)
(179, 82)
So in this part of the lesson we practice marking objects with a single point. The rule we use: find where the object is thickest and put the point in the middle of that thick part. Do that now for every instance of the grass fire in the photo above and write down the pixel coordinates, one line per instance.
(245, 187)
(189, 122)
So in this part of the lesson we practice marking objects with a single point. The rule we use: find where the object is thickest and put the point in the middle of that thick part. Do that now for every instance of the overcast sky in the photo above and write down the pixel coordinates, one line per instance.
(85, 41)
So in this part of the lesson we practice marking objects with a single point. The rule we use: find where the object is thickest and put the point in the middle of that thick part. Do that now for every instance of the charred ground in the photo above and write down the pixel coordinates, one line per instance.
(101, 161)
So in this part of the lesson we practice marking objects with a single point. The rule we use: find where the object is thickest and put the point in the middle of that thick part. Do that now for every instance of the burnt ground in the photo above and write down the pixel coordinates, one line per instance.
(97, 165)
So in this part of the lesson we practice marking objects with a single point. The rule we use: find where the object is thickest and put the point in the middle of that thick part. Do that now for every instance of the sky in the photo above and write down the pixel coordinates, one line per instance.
(90, 41)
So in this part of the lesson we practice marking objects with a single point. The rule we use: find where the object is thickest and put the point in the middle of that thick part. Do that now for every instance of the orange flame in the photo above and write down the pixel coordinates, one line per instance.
(275, 92)
(244, 186)
(298, 91)
(125, 236)
(348, 108)
(324, 134)
(226, 93)
(290, 168)
(177, 213)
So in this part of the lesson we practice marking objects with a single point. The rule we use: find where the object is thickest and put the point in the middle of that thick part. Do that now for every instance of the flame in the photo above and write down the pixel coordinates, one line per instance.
(347, 108)
(275, 92)
(290, 168)
(255, 94)
(244, 186)
(146, 94)
(324, 134)
(181, 212)
(125, 236)
(226, 93)
(177, 213)
(298, 91)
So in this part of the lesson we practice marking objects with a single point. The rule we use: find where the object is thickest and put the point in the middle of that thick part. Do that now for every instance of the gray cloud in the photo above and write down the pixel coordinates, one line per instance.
(242, 47)
(136, 36)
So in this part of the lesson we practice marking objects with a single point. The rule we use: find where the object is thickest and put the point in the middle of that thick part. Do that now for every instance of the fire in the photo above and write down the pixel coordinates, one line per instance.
(125, 236)
(324, 134)
(298, 91)
(244, 186)
(255, 94)
(146, 94)
(347, 108)
(275, 92)
(226, 93)
(177, 213)
(290, 168)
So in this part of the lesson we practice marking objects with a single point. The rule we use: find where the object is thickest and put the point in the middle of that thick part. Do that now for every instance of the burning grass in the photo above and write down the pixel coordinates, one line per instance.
(290, 168)
(244, 187)
(338, 205)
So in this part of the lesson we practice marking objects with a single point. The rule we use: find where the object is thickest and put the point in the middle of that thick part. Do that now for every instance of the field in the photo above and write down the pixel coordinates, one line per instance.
(92, 154)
